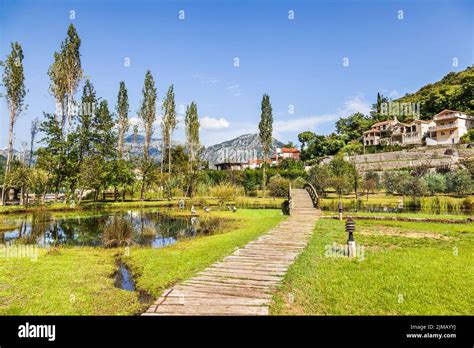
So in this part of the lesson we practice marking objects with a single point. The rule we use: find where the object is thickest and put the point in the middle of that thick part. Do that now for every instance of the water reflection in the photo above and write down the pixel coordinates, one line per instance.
(135, 227)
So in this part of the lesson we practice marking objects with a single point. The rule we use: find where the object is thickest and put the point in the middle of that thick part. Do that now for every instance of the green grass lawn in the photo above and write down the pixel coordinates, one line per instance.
(409, 268)
(78, 280)
(157, 269)
(402, 215)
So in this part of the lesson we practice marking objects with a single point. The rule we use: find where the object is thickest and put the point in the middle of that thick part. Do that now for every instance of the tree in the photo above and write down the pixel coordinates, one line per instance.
(66, 73)
(278, 186)
(460, 182)
(320, 177)
(147, 113)
(468, 137)
(290, 164)
(33, 132)
(72, 69)
(14, 82)
(351, 127)
(85, 130)
(122, 116)
(321, 145)
(436, 183)
(305, 137)
(370, 182)
(19, 177)
(376, 110)
(87, 176)
(342, 179)
(168, 123)
(52, 157)
(193, 143)
(266, 129)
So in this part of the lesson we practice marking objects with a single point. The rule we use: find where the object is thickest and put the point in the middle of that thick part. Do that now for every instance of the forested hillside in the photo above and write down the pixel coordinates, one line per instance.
(454, 91)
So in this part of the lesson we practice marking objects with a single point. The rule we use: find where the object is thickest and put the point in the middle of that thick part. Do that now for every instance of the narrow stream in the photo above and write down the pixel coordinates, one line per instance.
(123, 279)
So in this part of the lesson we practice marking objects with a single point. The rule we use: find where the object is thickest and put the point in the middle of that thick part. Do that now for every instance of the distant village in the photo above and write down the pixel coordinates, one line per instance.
(445, 128)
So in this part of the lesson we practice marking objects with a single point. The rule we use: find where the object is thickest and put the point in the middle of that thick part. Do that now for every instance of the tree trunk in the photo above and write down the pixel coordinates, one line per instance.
(22, 196)
(264, 176)
(142, 191)
(27, 197)
(115, 193)
(79, 199)
(9, 155)
(169, 157)
(123, 194)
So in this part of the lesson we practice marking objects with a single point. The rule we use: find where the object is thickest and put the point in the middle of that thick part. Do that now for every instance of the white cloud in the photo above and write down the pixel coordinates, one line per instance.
(206, 79)
(214, 123)
(302, 124)
(234, 89)
(234, 86)
(354, 104)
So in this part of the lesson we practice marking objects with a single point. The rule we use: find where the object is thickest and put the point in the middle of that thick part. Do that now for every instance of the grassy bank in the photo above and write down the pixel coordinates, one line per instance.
(78, 280)
(160, 268)
(241, 202)
(408, 268)
(402, 215)
(429, 204)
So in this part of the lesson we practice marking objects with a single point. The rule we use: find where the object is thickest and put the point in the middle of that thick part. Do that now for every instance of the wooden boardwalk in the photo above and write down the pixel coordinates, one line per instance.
(243, 282)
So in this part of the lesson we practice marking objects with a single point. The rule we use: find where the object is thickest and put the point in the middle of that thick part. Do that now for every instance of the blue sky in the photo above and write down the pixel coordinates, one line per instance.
(298, 62)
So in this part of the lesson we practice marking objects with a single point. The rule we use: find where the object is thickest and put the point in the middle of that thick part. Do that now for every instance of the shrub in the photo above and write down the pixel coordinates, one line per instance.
(224, 192)
(298, 183)
(459, 182)
(436, 183)
(278, 186)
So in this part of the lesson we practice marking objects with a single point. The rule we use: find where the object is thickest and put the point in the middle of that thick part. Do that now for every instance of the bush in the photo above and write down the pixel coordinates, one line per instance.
(459, 182)
(278, 186)
(224, 192)
(298, 183)
(436, 183)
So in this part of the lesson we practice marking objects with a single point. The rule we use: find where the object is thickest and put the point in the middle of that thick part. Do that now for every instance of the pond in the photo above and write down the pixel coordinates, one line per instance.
(146, 227)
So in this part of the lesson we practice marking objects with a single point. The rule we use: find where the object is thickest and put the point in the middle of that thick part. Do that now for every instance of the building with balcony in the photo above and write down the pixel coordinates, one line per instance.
(449, 126)
(378, 131)
(410, 133)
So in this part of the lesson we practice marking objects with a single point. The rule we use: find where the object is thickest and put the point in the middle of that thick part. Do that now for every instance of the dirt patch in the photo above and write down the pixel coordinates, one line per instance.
(396, 232)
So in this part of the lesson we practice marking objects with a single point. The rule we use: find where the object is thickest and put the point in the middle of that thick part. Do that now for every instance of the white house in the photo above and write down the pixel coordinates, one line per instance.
(449, 127)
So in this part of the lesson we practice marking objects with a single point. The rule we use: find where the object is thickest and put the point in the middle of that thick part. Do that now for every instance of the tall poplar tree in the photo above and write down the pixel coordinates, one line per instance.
(193, 144)
(266, 128)
(122, 116)
(168, 123)
(66, 73)
(191, 122)
(14, 82)
(147, 114)
(33, 132)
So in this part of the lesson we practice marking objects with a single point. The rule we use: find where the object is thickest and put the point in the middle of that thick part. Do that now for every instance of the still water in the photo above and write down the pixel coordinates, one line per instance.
(146, 227)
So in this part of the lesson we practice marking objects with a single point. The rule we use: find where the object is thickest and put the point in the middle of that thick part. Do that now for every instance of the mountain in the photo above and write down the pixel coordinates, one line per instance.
(454, 91)
(137, 148)
(240, 149)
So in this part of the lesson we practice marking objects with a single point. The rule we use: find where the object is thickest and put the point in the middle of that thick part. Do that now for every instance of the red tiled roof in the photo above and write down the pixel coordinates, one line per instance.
(289, 150)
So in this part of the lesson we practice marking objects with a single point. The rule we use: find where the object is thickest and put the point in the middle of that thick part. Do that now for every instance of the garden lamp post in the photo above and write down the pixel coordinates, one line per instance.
(339, 206)
(351, 245)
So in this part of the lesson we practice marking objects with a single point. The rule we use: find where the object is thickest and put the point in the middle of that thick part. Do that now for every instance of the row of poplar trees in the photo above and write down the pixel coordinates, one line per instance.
(83, 143)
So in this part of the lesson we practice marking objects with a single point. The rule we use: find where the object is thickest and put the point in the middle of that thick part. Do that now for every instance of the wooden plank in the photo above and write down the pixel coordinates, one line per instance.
(242, 283)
